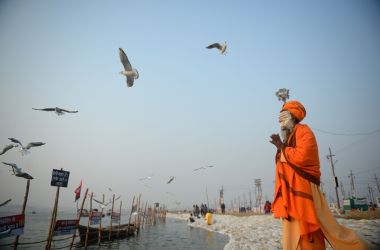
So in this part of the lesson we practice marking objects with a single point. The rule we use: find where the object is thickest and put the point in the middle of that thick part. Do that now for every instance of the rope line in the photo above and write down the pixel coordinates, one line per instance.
(347, 134)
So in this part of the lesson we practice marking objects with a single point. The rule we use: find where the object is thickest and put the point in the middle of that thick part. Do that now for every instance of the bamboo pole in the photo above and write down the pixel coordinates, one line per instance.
(118, 229)
(146, 203)
(88, 222)
(100, 224)
(23, 210)
(130, 214)
(139, 213)
(52, 221)
(113, 201)
(79, 215)
(137, 226)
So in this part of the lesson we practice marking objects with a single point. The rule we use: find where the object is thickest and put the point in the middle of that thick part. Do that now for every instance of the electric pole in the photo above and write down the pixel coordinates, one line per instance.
(342, 190)
(377, 184)
(208, 204)
(370, 191)
(353, 192)
(250, 199)
(221, 196)
(330, 157)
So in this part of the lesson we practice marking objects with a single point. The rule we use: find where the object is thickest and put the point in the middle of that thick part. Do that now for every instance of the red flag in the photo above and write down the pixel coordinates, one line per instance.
(77, 191)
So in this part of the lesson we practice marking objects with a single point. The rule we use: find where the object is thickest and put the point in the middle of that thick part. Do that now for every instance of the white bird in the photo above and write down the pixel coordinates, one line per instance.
(102, 204)
(204, 167)
(145, 178)
(221, 47)
(24, 150)
(5, 202)
(8, 147)
(171, 178)
(57, 110)
(128, 71)
(18, 171)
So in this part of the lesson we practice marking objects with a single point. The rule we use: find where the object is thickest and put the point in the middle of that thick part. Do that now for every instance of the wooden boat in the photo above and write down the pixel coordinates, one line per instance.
(93, 233)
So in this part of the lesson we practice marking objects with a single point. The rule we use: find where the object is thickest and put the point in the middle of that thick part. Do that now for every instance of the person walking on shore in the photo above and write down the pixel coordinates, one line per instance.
(306, 218)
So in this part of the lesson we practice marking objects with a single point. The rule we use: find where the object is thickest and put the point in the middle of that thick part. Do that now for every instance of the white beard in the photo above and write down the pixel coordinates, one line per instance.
(286, 129)
(284, 133)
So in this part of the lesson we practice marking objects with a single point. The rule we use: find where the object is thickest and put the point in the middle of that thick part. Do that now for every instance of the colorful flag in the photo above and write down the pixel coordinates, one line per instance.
(77, 191)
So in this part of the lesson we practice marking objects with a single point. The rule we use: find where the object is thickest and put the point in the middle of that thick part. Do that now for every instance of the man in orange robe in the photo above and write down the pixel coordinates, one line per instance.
(307, 221)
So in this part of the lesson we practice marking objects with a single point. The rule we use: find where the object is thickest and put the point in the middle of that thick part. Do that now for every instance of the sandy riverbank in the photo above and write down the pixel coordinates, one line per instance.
(264, 232)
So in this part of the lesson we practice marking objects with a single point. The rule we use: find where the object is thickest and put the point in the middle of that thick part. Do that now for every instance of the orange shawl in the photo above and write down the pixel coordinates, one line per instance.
(293, 196)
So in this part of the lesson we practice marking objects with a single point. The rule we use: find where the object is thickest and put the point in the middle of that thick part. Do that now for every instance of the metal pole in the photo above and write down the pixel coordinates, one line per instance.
(208, 205)
(330, 156)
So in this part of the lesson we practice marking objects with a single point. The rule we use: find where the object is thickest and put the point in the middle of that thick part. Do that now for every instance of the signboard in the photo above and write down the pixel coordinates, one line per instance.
(95, 217)
(115, 217)
(59, 178)
(64, 227)
(12, 225)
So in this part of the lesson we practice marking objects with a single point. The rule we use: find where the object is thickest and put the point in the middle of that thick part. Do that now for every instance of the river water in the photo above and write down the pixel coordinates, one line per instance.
(172, 235)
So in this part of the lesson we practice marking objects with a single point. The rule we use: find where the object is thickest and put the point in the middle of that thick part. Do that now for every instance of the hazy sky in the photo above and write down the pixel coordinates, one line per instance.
(191, 107)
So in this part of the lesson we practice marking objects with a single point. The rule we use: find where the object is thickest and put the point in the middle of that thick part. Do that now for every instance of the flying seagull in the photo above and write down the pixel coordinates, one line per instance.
(128, 71)
(221, 47)
(57, 110)
(18, 171)
(145, 178)
(171, 178)
(5, 202)
(102, 204)
(24, 150)
(8, 147)
(210, 166)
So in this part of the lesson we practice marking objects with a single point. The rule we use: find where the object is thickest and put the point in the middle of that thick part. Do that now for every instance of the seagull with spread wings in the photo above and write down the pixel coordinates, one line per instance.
(128, 71)
(5, 202)
(25, 150)
(8, 147)
(221, 47)
(171, 178)
(204, 167)
(102, 204)
(18, 171)
(57, 110)
(145, 178)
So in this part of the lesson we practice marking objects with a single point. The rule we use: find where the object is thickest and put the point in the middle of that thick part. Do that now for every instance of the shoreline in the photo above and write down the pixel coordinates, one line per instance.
(265, 232)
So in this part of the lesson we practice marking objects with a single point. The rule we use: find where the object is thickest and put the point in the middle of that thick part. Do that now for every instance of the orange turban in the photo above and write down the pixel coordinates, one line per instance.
(296, 109)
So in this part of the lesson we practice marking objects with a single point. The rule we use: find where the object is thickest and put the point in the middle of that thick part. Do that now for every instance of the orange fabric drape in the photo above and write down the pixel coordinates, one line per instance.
(293, 196)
